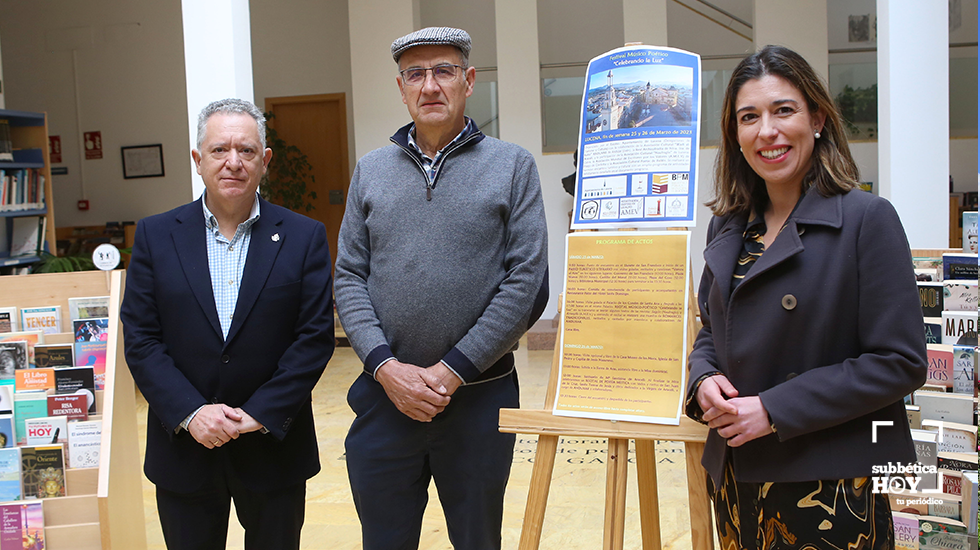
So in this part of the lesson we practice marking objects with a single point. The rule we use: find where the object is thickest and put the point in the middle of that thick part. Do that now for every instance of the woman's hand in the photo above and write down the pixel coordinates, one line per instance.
(750, 421)
(713, 394)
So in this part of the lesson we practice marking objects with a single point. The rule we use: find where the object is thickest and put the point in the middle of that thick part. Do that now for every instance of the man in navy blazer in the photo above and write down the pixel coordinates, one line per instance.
(228, 322)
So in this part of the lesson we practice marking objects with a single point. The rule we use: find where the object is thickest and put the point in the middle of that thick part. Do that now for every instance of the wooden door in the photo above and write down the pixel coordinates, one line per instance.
(317, 125)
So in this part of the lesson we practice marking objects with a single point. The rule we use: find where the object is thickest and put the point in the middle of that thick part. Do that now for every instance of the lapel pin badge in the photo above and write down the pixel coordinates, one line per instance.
(275, 238)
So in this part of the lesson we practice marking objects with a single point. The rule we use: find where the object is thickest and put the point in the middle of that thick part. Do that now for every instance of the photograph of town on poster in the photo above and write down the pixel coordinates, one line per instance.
(639, 140)
(623, 334)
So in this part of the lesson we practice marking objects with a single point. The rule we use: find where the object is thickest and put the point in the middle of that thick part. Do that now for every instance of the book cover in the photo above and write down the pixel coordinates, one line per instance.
(915, 416)
(940, 358)
(931, 298)
(72, 407)
(22, 526)
(957, 461)
(925, 454)
(46, 430)
(960, 328)
(934, 330)
(10, 485)
(34, 379)
(964, 370)
(30, 404)
(92, 354)
(26, 234)
(8, 436)
(91, 330)
(43, 471)
(906, 531)
(32, 338)
(970, 501)
(76, 381)
(900, 502)
(13, 357)
(46, 319)
(54, 356)
(960, 295)
(8, 319)
(937, 533)
(970, 232)
(957, 265)
(957, 438)
(88, 307)
(949, 407)
(944, 505)
(952, 485)
(84, 443)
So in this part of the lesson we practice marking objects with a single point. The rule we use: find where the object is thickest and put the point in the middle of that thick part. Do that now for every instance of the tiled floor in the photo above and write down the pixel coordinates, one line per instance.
(575, 512)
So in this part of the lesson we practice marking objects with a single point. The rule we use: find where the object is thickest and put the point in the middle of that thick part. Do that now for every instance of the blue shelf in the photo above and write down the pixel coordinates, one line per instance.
(19, 260)
(22, 213)
(22, 118)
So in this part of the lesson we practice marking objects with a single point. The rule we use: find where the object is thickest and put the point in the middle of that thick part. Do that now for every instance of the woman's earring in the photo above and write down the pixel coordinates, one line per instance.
(816, 135)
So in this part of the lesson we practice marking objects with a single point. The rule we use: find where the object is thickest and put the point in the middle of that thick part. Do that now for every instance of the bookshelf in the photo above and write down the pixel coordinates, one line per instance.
(104, 506)
(29, 137)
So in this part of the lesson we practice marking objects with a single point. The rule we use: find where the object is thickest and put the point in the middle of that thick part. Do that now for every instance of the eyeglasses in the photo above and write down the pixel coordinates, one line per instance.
(444, 74)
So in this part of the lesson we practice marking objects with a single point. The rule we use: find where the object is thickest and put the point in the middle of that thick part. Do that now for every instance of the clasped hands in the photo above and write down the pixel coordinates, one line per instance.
(215, 425)
(737, 419)
(419, 393)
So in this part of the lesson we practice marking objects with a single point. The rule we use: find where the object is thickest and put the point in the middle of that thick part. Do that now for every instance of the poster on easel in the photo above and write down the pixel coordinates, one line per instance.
(639, 138)
(623, 336)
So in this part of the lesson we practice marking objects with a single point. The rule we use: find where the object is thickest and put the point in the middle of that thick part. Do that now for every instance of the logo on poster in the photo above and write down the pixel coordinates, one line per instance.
(590, 209)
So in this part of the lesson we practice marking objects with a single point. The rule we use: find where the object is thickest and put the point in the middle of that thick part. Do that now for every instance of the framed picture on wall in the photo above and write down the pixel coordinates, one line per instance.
(142, 161)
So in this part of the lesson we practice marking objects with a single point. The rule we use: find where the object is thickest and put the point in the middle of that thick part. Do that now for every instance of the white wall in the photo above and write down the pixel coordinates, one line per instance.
(130, 73)
(303, 50)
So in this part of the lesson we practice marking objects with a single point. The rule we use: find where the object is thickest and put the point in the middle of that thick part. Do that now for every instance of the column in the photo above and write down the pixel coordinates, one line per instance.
(518, 74)
(217, 61)
(645, 21)
(378, 109)
(913, 116)
(800, 25)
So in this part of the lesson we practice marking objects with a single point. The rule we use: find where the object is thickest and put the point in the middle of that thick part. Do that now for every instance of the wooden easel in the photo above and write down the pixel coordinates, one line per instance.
(549, 428)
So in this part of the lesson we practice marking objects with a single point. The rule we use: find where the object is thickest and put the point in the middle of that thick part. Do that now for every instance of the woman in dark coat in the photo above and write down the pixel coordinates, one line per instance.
(812, 325)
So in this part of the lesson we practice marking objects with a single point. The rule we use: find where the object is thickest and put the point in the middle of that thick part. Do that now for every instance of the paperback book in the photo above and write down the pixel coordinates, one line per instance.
(960, 328)
(940, 357)
(10, 484)
(960, 296)
(22, 526)
(32, 338)
(931, 298)
(34, 379)
(54, 356)
(13, 357)
(8, 319)
(72, 407)
(88, 307)
(84, 443)
(43, 469)
(964, 370)
(76, 381)
(47, 430)
(29, 404)
(46, 319)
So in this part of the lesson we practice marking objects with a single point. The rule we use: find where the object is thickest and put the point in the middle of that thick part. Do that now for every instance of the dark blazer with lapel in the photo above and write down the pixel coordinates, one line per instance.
(279, 342)
(826, 328)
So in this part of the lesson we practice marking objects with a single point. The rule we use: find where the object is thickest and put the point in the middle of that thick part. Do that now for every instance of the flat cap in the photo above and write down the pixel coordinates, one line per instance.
(432, 36)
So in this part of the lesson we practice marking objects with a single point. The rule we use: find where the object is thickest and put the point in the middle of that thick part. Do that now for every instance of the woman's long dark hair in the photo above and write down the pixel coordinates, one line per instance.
(832, 171)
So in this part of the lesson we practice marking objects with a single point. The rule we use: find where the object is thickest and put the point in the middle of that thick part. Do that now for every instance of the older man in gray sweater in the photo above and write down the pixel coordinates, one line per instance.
(441, 267)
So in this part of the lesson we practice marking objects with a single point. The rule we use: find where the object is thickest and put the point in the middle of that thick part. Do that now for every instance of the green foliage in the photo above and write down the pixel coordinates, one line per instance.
(859, 105)
(285, 183)
(50, 263)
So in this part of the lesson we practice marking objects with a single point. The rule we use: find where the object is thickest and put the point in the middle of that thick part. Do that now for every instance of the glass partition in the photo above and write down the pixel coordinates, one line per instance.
(481, 106)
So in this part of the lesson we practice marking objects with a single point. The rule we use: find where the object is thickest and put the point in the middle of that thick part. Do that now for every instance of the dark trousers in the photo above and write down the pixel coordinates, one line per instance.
(391, 459)
(199, 521)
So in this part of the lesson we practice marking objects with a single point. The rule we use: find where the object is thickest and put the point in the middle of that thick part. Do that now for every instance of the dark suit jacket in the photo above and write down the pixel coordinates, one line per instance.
(826, 328)
(279, 342)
